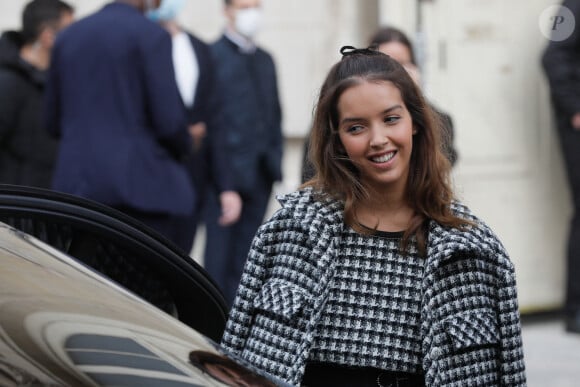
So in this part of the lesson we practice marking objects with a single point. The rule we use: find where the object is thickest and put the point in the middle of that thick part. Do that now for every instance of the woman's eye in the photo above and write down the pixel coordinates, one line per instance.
(354, 129)
(391, 119)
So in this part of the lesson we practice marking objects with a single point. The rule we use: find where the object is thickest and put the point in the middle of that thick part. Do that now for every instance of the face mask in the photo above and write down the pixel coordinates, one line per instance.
(248, 21)
(168, 10)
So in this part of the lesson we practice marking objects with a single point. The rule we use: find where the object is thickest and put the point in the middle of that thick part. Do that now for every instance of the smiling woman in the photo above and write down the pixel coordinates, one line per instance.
(376, 131)
(374, 95)
(354, 281)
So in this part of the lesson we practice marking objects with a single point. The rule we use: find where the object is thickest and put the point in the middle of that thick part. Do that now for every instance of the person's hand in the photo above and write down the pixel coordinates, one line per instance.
(231, 205)
(576, 121)
(197, 132)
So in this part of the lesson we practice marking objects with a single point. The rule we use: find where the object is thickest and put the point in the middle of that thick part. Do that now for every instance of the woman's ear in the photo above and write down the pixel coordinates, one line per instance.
(415, 130)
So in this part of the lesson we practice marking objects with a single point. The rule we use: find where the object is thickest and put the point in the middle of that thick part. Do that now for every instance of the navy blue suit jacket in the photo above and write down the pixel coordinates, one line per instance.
(212, 162)
(112, 98)
(250, 115)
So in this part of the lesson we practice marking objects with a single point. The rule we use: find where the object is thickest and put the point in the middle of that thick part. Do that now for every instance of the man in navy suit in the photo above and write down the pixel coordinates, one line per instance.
(112, 99)
(250, 120)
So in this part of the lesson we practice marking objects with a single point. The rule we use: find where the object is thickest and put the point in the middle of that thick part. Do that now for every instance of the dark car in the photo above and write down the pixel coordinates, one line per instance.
(64, 322)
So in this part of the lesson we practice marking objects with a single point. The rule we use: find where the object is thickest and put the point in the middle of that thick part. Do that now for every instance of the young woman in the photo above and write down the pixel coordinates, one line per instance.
(372, 274)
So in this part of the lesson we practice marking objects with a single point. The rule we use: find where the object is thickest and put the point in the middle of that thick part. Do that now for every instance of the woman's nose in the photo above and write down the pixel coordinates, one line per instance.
(378, 137)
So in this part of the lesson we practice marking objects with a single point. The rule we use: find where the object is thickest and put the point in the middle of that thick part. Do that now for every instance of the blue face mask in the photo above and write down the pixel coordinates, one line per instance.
(168, 10)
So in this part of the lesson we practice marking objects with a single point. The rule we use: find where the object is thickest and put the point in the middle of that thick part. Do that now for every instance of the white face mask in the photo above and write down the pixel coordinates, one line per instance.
(248, 21)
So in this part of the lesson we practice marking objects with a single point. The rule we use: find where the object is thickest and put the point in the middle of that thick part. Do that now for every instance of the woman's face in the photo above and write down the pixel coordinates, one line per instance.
(376, 131)
(398, 51)
(402, 54)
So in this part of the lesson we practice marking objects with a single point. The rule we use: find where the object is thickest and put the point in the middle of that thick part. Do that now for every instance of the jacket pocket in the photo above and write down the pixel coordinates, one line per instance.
(281, 298)
(472, 330)
(467, 352)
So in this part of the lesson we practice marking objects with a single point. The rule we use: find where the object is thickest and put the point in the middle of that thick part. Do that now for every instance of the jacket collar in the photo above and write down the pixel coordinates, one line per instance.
(323, 217)
(309, 204)
(244, 45)
(325, 213)
(447, 243)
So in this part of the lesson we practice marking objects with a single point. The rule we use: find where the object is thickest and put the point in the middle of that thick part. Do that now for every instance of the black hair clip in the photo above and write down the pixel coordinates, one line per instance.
(350, 50)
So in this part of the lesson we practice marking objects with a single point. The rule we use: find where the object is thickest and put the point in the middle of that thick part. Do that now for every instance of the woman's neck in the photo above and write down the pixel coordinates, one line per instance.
(384, 212)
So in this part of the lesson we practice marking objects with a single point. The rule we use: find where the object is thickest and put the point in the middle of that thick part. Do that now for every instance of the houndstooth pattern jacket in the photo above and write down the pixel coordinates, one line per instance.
(470, 329)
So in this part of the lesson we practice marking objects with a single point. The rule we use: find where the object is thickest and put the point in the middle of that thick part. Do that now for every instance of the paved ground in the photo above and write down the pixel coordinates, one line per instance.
(552, 355)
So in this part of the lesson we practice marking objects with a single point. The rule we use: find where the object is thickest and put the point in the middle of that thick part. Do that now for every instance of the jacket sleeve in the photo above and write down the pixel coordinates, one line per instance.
(511, 348)
(240, 318)
(561, 61)
(167, 112)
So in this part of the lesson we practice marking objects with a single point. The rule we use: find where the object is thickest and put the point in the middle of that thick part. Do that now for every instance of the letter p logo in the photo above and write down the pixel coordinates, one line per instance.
(557, 20)
(557, 23)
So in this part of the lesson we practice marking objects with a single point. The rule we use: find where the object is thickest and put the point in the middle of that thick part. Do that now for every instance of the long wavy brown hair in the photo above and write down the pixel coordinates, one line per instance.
(428, 190)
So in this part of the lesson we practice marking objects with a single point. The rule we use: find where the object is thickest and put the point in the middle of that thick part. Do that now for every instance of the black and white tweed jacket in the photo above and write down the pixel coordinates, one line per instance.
(470, 329)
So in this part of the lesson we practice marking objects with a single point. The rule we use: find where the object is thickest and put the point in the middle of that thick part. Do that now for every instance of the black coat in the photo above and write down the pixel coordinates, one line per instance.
(250, 116)
(27, 151)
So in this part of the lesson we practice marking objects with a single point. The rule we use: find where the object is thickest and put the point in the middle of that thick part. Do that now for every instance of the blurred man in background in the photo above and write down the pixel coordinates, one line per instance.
(27, 152)
(113, 100)
(194, 72)
(250, 123)
(561, 62)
